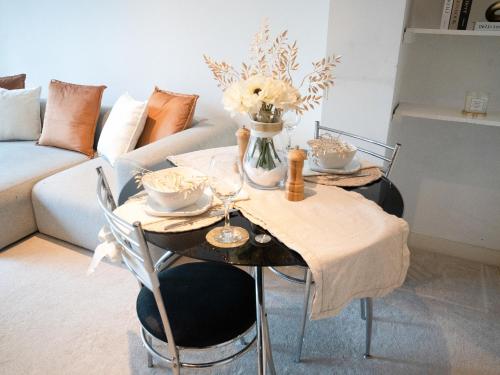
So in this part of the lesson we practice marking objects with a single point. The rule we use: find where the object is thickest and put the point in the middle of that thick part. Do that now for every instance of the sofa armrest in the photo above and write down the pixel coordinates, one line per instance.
(203, 135)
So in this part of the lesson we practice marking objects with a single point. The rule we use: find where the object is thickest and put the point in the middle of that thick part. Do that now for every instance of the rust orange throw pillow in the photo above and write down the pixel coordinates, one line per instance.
(13, 82)
(168, 113)
(71, 116)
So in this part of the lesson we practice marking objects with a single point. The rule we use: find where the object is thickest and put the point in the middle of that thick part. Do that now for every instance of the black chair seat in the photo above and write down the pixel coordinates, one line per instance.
(207, 304)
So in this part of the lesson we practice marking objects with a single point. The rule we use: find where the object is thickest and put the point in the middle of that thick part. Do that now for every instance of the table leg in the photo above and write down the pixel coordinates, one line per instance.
(264, 354)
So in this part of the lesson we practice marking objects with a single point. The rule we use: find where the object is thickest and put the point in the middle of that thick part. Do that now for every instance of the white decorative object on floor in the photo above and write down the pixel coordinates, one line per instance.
(108, 247)
(122, 128)
(20, 114)
(197, 208)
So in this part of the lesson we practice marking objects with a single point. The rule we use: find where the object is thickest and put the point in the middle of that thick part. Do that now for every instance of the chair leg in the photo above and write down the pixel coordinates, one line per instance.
(369, 321)
(269, 351)
(307, 294)
(363, 308)
(150, 357)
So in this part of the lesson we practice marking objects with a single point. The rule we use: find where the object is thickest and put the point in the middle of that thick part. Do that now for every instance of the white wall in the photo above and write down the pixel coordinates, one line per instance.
(132, 45)
(367, 33)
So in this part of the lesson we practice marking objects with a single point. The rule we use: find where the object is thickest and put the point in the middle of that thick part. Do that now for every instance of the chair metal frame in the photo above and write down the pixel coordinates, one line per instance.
(137, 258)
(366, 304)
(393, 150)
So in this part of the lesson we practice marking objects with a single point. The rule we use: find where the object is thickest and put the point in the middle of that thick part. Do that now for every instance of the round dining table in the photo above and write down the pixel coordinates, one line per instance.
(256, 253)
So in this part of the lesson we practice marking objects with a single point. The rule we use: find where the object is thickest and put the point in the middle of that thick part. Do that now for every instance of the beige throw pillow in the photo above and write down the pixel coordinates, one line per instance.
(20, 114)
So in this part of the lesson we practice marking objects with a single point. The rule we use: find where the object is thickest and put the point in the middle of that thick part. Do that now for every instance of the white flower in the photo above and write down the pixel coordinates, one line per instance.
(232, 98)
(280, 94)
(247, 96)
(243, 96)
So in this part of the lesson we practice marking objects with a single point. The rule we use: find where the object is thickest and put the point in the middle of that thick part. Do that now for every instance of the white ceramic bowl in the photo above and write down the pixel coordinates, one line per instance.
(335, 160)
(174, 198)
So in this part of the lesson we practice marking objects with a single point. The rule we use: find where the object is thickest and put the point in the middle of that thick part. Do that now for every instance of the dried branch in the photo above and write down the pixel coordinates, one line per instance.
(277, 58)
(223, 73)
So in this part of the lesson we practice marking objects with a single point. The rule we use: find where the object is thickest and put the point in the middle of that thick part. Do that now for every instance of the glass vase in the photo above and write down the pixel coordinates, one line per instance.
(264, 162)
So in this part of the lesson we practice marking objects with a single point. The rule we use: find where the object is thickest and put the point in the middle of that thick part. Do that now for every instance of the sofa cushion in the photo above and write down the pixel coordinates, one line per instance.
(168, 113)
(65, 204)
(123, 128)
(71, 116)
(20, 114)
(103, 116)
(13, 82)
(22, 164)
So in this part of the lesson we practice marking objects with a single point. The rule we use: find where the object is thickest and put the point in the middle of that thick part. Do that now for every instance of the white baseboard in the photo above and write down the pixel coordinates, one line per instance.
(456, 249)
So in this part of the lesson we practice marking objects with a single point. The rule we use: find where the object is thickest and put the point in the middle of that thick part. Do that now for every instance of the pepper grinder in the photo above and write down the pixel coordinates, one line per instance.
(242, 136)
(295, 182)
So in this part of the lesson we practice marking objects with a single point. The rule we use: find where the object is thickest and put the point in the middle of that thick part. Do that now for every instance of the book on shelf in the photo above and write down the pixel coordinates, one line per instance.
(487, 26)
(445, 18)
(455, 14)
(464, 15)
(481, 10)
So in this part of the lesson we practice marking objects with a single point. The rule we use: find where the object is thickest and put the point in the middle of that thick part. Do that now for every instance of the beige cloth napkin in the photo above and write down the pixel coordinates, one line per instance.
(353, 248)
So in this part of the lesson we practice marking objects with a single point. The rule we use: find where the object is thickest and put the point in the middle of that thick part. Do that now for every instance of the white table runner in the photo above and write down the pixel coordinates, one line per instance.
(353, 248)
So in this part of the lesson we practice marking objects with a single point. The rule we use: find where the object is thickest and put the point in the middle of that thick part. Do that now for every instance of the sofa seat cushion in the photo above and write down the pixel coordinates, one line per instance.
(65, 204)
(22, 165)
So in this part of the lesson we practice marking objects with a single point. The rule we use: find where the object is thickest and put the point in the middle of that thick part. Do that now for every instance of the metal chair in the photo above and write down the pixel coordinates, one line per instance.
(194, 306)
(366, 303)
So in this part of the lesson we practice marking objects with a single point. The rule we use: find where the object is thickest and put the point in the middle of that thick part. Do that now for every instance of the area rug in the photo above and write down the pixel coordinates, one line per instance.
(54, 319)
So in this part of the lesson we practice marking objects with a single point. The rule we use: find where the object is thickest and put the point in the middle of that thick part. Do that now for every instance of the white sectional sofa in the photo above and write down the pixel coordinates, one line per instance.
(53, 191)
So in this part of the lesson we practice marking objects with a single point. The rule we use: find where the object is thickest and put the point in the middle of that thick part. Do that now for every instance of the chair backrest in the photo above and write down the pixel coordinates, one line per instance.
(389, 152)
(130, 236)
(135, 254)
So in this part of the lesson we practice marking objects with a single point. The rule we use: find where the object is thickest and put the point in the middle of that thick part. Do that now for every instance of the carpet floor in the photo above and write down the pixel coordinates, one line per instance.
(56, 320)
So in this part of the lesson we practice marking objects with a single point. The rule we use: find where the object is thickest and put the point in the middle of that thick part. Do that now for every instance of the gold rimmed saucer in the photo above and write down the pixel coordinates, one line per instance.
(211, 238)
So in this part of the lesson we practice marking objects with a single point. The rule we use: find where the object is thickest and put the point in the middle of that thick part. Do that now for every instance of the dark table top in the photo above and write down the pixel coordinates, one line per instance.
(274, 253)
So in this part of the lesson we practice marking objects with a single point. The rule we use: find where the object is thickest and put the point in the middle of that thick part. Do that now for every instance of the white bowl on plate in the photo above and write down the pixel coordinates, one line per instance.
(334, 160)
(174, 188)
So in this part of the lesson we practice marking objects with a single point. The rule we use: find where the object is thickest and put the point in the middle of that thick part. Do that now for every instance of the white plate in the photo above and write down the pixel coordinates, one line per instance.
(197, 208)
(350, 168)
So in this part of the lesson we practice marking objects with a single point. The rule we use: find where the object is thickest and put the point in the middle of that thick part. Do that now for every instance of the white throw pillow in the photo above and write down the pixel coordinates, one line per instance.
(122, 128)
(20, 114)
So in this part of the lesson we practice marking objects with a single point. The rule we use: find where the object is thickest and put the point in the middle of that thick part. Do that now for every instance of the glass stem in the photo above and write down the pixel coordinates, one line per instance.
(227, 204)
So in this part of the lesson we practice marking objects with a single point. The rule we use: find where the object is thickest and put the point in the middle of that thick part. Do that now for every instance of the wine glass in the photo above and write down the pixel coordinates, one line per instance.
(225, 178)
(290, 122)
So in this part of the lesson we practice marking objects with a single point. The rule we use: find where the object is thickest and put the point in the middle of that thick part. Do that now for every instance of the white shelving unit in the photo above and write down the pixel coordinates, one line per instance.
(431, 112)
(448, 165)
(412, 31)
